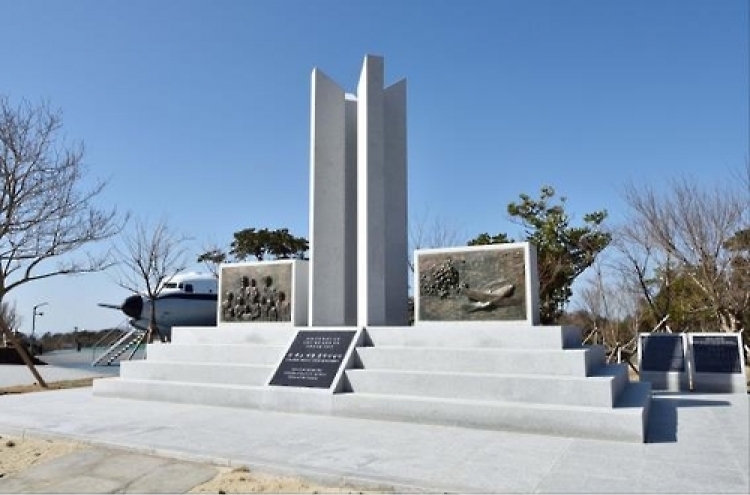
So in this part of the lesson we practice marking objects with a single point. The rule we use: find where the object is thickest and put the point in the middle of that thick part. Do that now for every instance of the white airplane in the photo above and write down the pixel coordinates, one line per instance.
(187, 299)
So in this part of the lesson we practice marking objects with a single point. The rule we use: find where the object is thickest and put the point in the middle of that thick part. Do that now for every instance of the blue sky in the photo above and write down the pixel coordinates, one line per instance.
(198, 111)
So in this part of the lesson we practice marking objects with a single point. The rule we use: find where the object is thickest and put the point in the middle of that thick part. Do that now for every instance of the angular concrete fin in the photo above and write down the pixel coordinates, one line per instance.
(395, 165)
(371, 186)
(332, 207)
(372, 73)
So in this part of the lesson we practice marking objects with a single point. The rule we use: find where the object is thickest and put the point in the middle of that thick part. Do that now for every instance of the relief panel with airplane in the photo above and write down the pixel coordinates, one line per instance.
(472, 284)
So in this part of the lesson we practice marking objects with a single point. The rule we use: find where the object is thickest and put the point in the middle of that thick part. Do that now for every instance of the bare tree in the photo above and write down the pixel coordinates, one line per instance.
(430, 231)
(212, 257)
(18, 345)
(47, 207)
(151, 256)
(612, 305)
(685, 231)
(9, 315)
(639, 261)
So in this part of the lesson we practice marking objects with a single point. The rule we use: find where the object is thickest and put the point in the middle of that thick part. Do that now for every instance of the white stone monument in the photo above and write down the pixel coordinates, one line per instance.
(475, 358)
(358, 201)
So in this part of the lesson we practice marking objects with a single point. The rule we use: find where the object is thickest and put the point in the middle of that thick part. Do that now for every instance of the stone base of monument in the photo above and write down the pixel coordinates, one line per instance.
(479, 375)
(521, 378)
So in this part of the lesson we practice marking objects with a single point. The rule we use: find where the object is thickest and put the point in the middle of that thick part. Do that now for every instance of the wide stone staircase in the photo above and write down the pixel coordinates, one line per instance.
(518, 378)
(221, 366)
(532, 379)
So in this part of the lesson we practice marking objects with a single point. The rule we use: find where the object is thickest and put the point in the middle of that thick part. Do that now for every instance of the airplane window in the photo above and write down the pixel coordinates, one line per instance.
(170, 285)
(180, 286)
(188, 287)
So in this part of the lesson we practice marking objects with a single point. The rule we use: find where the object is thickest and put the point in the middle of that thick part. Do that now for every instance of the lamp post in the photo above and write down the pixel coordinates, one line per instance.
(36, 313)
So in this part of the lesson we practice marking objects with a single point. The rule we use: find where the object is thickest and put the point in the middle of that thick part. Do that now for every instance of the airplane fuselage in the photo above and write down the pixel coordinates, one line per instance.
(179, 310)
(186, 300)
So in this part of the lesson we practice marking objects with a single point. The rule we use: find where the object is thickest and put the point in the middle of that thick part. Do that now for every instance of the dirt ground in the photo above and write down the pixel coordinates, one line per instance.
(242, 480)
(18, 454)
(23, 389)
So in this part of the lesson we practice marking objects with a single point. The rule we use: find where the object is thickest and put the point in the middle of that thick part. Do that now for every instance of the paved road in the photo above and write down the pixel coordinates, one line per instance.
(61, 365)
(699, 445)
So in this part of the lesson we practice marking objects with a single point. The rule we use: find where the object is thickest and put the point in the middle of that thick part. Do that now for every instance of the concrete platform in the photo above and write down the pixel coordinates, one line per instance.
(521, 378)
(697, 443)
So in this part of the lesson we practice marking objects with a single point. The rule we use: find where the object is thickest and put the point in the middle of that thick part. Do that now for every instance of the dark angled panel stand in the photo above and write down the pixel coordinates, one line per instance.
(663, 360)
(313, 359)
(717, 362)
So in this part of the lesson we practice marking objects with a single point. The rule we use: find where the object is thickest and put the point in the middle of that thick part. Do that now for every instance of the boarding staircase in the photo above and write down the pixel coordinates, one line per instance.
(123, 349)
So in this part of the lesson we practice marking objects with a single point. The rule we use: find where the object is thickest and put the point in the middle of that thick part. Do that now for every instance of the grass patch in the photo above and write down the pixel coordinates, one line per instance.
(61, 385)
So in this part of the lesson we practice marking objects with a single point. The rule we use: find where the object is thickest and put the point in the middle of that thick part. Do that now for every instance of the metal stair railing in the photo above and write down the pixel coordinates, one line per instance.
(136, 343)
(131, 339)
(105, 342)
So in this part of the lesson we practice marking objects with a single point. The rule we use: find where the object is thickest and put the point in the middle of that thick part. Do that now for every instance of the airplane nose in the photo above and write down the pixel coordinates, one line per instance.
(133, 306)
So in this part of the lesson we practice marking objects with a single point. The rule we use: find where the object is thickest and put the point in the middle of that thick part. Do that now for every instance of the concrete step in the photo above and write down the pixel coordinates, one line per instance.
(599, 391)
(625, 422)
(180, 392)
(484, 335)
(286, 399)
(574, 362)
(217, 353)
(210, 373)
(238, 333)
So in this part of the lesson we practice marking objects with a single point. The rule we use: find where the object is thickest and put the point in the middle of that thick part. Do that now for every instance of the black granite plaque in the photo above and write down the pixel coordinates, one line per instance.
(716, 354)
(662, 352)
(313, 359)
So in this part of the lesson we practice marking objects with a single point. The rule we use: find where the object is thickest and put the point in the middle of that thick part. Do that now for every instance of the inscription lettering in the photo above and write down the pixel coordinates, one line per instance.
(662, 353)
(716, 354)
(313, 359)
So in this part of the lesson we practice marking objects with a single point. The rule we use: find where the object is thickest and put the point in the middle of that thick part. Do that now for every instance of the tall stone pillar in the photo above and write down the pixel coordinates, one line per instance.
(382, 270)
(333, 205)
(358, 202)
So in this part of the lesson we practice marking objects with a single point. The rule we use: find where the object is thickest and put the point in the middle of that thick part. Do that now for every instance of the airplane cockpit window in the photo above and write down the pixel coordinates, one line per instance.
(188, 287)
(170, 285)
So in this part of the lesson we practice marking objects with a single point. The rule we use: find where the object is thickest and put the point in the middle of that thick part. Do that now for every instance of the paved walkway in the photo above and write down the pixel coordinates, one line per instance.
(699, 444)
(104, 470)
(61, 365)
